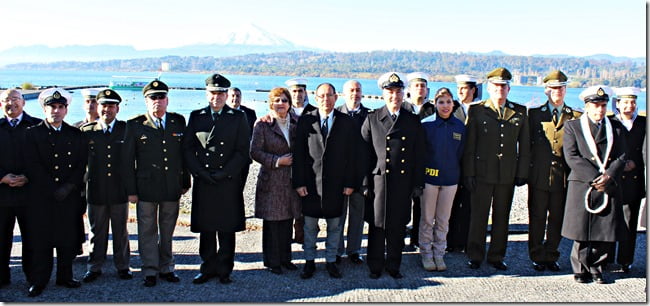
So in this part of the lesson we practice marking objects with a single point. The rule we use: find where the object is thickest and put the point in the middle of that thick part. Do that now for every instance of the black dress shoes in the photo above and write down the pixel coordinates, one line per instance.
(598, 278)
(170, 277)
(149, 281)
(202, 278)
(276, 270)
(91, 276)
(553, 266)
(374, 275)
(225, 279)
(71, 283)
(626, 268)
(125, 274)
(473, 264)
(338, 259)
(290, 266)
(499, 265)
(538, 266)
(308, 270)
(35, 290)
(355, 258)
(333, 270)
(582, 278)
(395, 274)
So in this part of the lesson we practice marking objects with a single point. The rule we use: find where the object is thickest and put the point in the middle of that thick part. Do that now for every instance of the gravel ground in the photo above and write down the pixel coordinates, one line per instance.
(520, 283)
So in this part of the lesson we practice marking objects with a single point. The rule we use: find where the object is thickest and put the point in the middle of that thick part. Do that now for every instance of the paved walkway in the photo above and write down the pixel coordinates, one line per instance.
(520, 283)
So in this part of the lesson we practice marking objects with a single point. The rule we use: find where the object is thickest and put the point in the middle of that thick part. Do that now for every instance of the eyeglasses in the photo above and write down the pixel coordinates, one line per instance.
(157, 96)
(282, 100)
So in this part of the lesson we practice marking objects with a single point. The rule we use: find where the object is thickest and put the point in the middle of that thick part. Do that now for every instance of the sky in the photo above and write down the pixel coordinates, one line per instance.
(516, 27)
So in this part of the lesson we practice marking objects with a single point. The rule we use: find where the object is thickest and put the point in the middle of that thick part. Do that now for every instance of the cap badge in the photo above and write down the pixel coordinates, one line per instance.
(600, 92)
(154, 84)
(393, 78)
(56, 95)
(108, 92)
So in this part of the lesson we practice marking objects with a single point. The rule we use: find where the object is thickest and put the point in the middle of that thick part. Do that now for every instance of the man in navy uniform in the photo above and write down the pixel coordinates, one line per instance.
(355, 203)
(155, 178)
(13, 191)
(496, 158)
(595, 150)
(105, 191)
(56, 157)
(90, 106)
(215, 149)
(395, 139)
(632, 179)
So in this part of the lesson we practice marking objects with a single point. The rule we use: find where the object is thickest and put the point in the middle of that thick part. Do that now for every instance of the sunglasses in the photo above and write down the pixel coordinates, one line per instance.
(157, 96)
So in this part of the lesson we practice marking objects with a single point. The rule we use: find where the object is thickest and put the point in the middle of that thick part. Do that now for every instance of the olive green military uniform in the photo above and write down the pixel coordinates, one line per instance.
(547, 181)
(497, 152)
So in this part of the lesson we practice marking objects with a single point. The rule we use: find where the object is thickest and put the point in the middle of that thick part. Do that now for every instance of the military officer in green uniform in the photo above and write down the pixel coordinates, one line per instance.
(547, 177)
(105, 192)
(155, 178)
(496, 158)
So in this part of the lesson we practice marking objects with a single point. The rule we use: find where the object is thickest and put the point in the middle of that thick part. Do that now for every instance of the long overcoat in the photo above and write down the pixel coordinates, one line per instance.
(578, 223)
(396, 150)
(217, 145)
(105, 183)
(53, 159)
(325, 167)
(275, 198)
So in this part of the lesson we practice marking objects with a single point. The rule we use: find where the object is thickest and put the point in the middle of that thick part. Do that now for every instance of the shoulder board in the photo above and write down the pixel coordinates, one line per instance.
(371, 111)
(88, 126)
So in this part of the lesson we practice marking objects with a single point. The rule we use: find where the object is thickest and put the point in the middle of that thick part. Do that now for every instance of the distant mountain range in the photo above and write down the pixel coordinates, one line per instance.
(250, 39)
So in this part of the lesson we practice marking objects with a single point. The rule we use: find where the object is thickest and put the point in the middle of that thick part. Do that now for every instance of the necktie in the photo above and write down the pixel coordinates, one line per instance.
(107, 132)
(394, 116)
(215, 116)
(555, 115)
(13, 122)
(324, 129)
(160, 124)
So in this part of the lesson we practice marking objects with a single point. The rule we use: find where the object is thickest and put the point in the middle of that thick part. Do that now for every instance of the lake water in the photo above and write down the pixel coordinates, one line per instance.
(184, 101)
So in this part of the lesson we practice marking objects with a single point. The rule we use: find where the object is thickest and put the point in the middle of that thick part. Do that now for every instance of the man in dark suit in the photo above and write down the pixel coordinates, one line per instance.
(13, 193)
(155, 178)
(396, 144)
(216, 149)
(323, 173)
(234, 102)
(105, 192)
(632, 179)
(595, 149)
(56, 157)
(496, 158)
(355, 203)
(548, 173)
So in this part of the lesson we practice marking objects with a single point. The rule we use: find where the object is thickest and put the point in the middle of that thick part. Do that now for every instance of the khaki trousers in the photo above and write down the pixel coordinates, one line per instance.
(434, 220)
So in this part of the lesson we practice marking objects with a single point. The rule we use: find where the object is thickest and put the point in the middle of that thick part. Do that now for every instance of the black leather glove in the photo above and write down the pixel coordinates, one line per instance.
(520, 181)
(63, 191)
(417, 192)
(218, 175)
(205, 176)
(470, 183)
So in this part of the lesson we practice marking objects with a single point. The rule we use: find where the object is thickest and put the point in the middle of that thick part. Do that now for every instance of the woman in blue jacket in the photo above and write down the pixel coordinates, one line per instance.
(445, 138)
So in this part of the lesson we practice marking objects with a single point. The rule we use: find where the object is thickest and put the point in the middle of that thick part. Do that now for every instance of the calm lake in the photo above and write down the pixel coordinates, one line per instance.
(184, 101)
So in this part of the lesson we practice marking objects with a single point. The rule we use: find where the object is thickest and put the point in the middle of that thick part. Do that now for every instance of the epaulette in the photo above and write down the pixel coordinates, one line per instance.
(371, 111)
(88, 126)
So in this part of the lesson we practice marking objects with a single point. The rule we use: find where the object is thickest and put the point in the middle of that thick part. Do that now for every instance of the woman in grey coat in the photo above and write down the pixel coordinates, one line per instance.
(276, 202)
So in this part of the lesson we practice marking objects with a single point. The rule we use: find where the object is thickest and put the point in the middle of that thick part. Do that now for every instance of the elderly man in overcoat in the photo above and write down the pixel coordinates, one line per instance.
(396, 146)
(216, 148)
(594, 148)
(323, 173)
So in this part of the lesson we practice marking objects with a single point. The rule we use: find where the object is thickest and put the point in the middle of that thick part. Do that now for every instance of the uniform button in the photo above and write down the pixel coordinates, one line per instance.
(220, 167)
(164, 141)
(108, 165)
(403, 137)
(221, 155)
(221, 143)
(207, 154)
(553, 163)
(108, 156)
(56, 167)
(69, 166)
(501, 135)
(623, 177)
(502, 145)
(403, 161)
(402, 172)
(388, 137)
(108, 146)
(388, 160)
(109, 174)
(501, 124)
(164, 150)
(635, 177)
(56, 155)
(387, 170)
(553, 152)
(165, 159)
(56, 179)
(69, 153)
(207, 166)
(592, 158)
(403, 149)
(166, 168)
(388, 149)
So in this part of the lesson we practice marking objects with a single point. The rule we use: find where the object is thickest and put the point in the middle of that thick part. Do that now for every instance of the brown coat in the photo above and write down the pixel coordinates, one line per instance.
(275, 199)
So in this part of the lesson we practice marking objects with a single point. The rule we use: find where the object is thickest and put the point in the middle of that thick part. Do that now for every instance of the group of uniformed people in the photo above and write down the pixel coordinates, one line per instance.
(585, 176)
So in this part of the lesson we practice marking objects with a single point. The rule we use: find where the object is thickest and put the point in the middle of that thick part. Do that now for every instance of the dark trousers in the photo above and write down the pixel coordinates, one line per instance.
(276, 242)
(499, 197)
(8, 217)
(390, 241)
(415, 230)
(627, 245)
(545, 212)
(459, 219)
(43, 263)
(589, 256)
(217, 262)
(299, 229)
